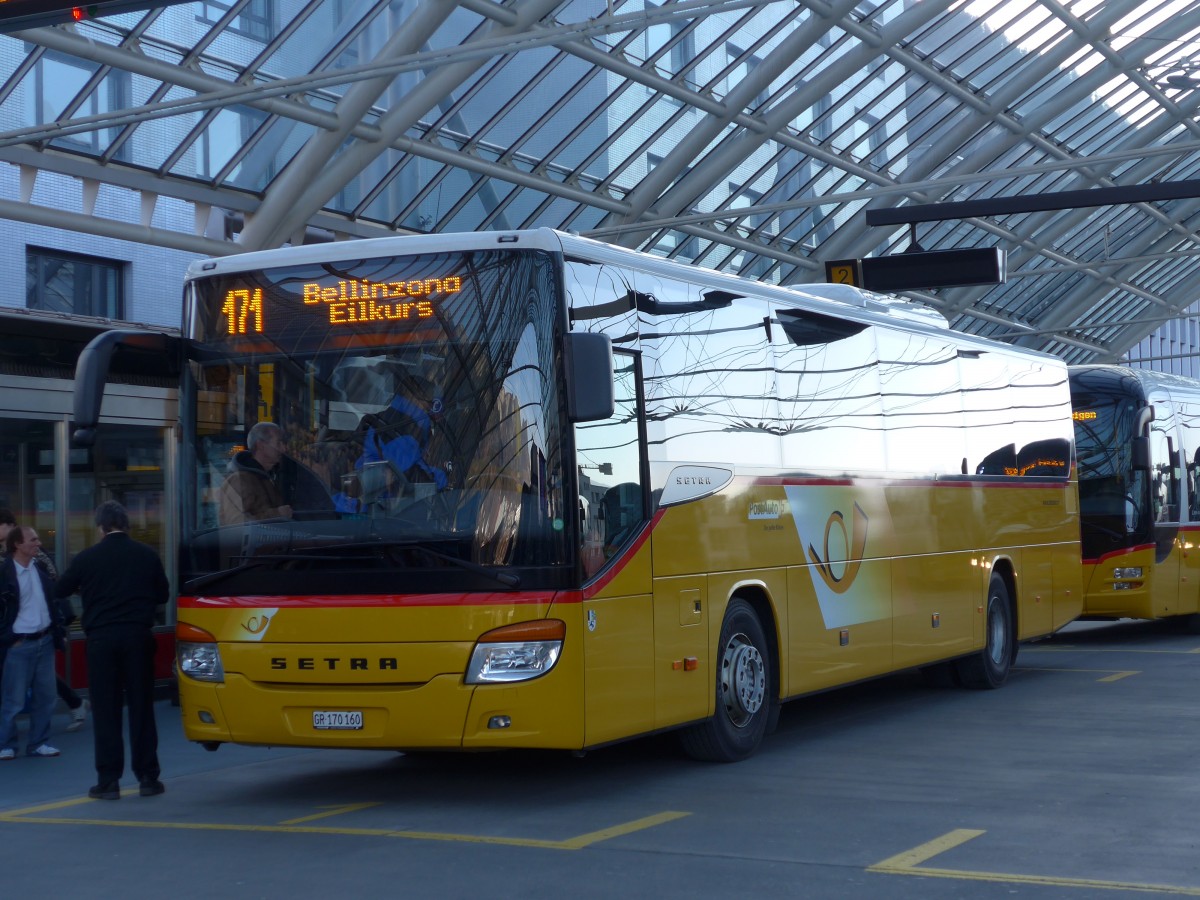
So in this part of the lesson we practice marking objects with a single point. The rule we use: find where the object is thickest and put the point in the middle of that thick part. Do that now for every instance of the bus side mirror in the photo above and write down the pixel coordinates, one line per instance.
(91, 373)
(591, 391)
(1140, 448)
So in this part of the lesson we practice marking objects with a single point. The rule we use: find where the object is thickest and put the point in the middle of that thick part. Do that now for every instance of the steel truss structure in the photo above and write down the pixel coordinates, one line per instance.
(743, 135)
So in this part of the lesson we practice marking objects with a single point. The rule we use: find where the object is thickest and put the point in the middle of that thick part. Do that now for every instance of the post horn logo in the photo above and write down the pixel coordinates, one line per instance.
(258, 624)
(855, 542)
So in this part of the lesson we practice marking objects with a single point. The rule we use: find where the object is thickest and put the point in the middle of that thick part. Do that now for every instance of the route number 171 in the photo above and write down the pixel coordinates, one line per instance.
(243, 311)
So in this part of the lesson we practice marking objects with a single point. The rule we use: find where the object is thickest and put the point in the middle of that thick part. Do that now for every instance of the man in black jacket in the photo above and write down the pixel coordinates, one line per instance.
(122, 582)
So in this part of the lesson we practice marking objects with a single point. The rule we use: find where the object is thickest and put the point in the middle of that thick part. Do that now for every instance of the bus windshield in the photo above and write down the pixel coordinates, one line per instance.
(1112, 495)
(420, 427)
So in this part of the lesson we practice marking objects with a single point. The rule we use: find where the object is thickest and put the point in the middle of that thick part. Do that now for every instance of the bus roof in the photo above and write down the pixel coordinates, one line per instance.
(1133, 382)
(838, 300)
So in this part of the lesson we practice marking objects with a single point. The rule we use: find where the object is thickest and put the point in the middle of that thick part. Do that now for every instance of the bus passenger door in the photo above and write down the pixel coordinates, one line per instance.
(618, 614)
(1165, 476)
(1189, 580)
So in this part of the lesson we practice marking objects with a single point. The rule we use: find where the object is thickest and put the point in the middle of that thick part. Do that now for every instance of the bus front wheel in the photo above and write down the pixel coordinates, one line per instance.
(989, 667)
(745, 699)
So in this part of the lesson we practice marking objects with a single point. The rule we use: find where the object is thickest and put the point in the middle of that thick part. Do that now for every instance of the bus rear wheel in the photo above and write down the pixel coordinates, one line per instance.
(745, 679)
(989, 667)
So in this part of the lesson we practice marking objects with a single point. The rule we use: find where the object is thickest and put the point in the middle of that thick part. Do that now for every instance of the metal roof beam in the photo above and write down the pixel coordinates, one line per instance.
(276, 217)
(656, 186)
(948, 181)
(112, 228)
(490, 10)
(321, 169)
(186, 190)
(1049, 201)
(738, 147)
(984, 109)
(212, 92)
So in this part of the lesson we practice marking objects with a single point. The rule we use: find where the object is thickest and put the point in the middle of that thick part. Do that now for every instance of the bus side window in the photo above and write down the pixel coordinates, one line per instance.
(622, 510)
(1189, 421)
(612, 495)
(1192, 481)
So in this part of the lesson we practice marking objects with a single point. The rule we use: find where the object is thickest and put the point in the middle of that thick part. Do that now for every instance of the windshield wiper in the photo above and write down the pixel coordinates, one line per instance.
(258, 562)
(508, 579)
(505, 578)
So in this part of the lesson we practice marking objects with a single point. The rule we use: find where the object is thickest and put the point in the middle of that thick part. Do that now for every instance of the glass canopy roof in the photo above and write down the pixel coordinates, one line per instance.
(743, 135)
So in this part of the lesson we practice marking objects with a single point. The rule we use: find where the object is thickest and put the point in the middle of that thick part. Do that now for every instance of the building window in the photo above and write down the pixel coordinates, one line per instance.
(742, 197)
(682, 53)
(58, 81)
(744, 68)
(227, 134)
(254, 21)
(70, 283)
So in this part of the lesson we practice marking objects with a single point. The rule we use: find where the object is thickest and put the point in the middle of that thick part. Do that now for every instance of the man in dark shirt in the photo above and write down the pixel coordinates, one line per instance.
(122, 582)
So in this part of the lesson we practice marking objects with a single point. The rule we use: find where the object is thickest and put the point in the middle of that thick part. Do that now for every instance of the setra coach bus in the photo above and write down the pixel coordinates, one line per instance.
(533, 491)
(1137, 435)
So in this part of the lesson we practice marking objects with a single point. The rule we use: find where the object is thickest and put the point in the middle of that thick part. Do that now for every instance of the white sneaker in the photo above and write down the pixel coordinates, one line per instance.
(44, 750)
(8, 753)
(78, 716)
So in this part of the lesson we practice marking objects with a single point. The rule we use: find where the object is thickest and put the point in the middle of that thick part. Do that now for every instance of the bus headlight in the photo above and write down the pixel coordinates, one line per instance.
(516, 652)
(1128, 572)
(201, 661)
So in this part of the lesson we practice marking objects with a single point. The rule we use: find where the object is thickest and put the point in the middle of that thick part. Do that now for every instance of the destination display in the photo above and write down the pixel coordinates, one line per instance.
(323, 307)
(244, 309)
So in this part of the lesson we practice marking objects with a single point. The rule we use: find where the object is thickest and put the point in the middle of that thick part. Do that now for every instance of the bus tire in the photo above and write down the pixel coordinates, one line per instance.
(989, 667)
(744, 686)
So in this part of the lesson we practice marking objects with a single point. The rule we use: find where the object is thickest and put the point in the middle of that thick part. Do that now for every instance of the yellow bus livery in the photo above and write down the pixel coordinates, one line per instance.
(594, 495)
(1138, 434)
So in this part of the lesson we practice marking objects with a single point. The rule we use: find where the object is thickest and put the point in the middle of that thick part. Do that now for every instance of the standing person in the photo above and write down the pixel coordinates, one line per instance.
(249, 492)
(122, 582)
(66, 693)
(30, 627)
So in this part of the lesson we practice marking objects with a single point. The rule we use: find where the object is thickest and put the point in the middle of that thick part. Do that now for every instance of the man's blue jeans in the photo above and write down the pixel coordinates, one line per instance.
(28, 669)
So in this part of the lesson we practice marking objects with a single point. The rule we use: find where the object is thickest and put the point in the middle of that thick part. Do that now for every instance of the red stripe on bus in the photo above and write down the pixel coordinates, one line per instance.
(958, 481)
(367, 600)
(1125, 551)
(622, 560)
(351, 601)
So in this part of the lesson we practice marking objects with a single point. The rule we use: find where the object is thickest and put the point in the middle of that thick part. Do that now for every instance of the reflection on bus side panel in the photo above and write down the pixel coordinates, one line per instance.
(526, 490)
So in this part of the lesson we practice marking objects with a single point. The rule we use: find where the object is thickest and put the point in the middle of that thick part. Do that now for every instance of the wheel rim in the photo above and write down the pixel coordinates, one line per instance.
(997, 632)
(743, 680)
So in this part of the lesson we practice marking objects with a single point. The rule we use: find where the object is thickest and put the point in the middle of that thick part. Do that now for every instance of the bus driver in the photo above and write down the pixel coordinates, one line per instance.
(249, 492)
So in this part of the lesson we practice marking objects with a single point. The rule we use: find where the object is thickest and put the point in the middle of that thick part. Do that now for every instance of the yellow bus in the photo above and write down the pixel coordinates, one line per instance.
(539, 492)
(1138, 439)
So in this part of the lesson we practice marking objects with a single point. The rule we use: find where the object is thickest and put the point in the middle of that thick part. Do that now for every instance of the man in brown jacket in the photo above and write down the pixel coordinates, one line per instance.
(248, 492)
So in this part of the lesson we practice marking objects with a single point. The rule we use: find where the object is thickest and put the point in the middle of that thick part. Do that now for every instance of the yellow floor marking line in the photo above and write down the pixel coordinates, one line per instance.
(45, 807)
(914, 857)
(575, 843)
(329, 811)
(909, 863)
(1117, 676)
(605, 834)
(1110, 674)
